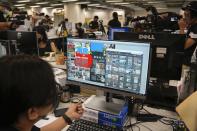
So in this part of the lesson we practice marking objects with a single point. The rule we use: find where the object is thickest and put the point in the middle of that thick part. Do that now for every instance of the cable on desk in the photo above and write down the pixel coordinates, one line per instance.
(160, 115)
(137, 127)
(145, 127)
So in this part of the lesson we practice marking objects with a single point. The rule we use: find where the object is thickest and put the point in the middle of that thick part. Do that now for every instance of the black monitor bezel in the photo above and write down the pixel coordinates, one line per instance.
(153, 73)
(33, 32)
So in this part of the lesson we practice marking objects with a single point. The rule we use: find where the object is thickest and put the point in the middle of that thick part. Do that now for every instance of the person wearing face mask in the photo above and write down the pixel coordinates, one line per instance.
(189, 22)
(43, 43)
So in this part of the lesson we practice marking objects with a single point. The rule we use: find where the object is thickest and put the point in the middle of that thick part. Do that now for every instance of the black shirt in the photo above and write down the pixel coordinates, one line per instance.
(114, 23)
(46, 49)
(80, 32)
(192, 33)
(34, 128)
(94, 25)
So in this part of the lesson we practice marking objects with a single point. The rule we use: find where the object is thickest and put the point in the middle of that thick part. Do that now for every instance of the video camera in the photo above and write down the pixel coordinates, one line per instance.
(18, 17)
(159, 21)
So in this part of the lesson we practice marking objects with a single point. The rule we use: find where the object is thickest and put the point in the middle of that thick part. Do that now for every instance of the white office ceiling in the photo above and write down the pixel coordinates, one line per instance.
(126, 4)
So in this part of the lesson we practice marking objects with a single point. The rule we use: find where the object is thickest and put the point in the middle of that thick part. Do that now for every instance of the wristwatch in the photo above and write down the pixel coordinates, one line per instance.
(67, 119)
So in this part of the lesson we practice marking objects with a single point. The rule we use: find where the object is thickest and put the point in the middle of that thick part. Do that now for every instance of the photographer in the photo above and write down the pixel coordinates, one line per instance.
(185, 88)
(4, 25)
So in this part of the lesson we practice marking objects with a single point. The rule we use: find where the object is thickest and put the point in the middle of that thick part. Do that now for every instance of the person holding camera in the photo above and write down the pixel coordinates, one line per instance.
(4, 25)
(185, 87)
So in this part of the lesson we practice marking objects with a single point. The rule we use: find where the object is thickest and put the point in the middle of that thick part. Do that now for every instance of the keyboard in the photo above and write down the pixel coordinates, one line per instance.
(83, 125)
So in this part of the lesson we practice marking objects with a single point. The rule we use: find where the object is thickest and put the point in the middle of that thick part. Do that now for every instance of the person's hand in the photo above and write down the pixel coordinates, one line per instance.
(75, 111)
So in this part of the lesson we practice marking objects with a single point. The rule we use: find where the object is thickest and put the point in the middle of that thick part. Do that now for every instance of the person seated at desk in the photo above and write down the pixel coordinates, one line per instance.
(28, 93)
(94, 25)
(44, 44)
(80, 30)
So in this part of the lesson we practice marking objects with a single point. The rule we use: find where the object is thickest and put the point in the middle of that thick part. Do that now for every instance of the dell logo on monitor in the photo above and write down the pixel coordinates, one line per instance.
(147, 37)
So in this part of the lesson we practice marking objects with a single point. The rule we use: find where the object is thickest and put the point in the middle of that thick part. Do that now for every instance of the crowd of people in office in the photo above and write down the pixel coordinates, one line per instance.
(25, 100)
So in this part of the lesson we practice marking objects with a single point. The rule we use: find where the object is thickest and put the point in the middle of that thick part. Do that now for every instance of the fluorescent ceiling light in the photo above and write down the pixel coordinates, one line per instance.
(79, 3)
(17, 5)
(34, 6)
(69, 1)
(113, 1)
(42, 3)
(160, 8)
(93, 4)
(121, 3)
(22, 1)
(56, 4)
(22, 7)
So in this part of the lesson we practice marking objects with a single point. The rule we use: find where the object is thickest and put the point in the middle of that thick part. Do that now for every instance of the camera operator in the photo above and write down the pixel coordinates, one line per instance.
(4, 10)
(189, 23)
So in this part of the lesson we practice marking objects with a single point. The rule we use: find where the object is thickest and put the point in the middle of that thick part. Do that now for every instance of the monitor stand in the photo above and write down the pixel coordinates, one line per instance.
(105, 104)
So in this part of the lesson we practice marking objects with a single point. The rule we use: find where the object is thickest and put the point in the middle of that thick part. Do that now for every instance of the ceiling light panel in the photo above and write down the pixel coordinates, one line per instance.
(69, 1)
(122, 3)
(93, 4)
(56, 4)
(114, 1)
(42, 3)
(22, 1)
(80, 3)
(17, 5)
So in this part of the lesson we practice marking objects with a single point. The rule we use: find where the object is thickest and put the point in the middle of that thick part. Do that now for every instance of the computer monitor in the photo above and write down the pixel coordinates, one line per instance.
(118, 67)
(113, 30)
(26, 42)
(167, 52)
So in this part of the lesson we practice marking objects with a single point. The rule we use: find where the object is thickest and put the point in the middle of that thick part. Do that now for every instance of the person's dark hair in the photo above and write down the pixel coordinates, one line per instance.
(66, 19)
(26, 81)
(115, 15)
(42, 31)
(192, 7)
(96, 17)
(80, 24)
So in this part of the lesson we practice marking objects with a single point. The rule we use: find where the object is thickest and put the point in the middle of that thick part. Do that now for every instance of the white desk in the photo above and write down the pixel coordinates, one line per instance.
(154, 126)
(58, 66)
(53, 63)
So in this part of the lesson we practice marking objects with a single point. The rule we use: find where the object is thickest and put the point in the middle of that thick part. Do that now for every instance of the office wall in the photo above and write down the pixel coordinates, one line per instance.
(76, 14)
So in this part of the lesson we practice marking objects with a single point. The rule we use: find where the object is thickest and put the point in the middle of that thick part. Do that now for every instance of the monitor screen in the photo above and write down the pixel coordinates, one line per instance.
(26, 42)
(167, 52)
(113, 30)
(121, 66)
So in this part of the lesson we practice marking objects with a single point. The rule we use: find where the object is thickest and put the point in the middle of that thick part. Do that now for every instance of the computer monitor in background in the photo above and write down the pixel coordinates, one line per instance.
(26, 42)
(113, 30)
(167, 52)
(118, 67)
(166, 64)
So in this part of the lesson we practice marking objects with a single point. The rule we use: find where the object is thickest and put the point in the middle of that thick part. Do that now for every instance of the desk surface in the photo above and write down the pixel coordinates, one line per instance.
(58, 66)
(146, 126)
(53, 63)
